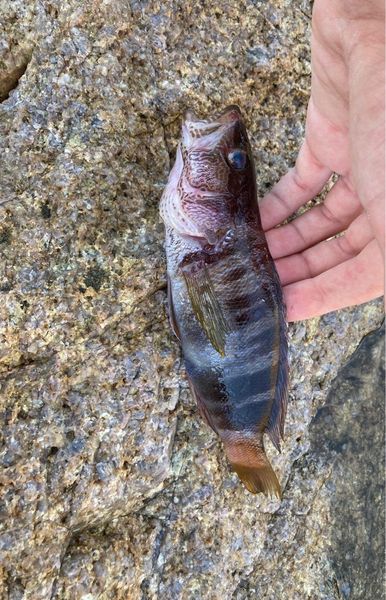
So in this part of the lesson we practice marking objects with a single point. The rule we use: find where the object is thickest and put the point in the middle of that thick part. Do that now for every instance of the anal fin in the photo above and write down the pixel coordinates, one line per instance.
(201, 406)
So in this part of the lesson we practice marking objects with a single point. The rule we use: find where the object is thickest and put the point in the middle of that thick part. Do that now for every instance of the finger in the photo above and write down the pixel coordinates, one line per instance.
(367, 121)
(327, 129)
(297, 187)
(354, 281)
(332, 216)
(326, 254)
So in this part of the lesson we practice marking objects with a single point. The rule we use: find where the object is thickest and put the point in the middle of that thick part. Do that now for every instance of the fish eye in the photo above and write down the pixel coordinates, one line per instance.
(237, 159)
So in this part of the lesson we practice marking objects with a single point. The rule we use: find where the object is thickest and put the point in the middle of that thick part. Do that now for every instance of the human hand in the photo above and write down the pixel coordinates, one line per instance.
(344, 134)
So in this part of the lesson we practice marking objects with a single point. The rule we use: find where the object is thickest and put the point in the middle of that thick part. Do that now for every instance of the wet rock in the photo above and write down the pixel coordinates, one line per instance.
(112, 486)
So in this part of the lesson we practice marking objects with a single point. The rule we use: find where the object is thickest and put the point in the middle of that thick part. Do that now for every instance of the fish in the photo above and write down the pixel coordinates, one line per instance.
(224, 295)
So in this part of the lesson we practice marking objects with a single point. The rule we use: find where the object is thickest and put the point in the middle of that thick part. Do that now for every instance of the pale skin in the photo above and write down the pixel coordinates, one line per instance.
(344, 134)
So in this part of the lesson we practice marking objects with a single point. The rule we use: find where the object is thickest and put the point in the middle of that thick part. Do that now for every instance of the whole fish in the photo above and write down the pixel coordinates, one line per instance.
(225, 298)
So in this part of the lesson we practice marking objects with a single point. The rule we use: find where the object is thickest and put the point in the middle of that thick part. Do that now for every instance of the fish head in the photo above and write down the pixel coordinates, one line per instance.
(216, 152)
(212, 183)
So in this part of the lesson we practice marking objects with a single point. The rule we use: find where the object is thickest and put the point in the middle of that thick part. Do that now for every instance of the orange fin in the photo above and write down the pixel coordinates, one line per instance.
(252, 466)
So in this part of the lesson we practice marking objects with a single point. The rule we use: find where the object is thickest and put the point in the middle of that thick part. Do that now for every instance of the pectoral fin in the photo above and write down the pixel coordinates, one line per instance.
(206, 306)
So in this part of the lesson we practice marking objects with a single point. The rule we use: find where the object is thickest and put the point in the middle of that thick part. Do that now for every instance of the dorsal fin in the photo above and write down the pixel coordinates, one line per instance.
(275, 426)
(172, 316)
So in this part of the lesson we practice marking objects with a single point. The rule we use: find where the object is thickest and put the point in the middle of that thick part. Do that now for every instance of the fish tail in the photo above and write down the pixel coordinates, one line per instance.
(252, 466)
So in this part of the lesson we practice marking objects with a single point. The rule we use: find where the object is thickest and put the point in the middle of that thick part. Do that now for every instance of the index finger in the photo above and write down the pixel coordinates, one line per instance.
(298, 186)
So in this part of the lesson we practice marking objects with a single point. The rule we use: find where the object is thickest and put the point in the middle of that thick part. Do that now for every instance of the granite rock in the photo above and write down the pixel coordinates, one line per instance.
(112, 487)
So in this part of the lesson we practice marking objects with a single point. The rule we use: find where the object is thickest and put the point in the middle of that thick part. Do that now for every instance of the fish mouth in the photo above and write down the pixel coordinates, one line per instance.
(196, 127)
(230, 114)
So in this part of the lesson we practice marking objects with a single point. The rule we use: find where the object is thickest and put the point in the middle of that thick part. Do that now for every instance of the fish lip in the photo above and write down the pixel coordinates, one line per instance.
(230, 114)
(190, 116)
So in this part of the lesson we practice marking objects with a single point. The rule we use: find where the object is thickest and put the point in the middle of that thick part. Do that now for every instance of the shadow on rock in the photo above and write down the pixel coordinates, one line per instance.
(350, 429)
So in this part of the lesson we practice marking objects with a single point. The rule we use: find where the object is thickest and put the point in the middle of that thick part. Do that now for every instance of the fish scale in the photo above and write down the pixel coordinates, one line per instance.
(225, 299)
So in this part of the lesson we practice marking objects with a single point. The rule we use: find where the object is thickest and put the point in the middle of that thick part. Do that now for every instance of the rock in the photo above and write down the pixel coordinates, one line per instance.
(334, 544)
(112, 485)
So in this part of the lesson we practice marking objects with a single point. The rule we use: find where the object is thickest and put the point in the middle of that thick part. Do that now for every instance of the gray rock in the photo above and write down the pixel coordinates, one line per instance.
(337, 540)
(112, 487)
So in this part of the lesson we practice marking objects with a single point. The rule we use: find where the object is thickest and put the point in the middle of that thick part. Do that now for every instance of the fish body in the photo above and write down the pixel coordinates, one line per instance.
(225, 298)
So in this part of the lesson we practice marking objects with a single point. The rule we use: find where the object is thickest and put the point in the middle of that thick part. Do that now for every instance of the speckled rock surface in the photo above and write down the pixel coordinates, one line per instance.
(112, 487)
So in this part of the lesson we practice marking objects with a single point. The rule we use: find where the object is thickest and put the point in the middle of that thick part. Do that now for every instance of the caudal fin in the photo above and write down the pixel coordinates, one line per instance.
(253, 468)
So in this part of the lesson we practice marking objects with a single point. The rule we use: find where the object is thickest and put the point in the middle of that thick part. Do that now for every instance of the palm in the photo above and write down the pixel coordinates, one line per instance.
(318, 273)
